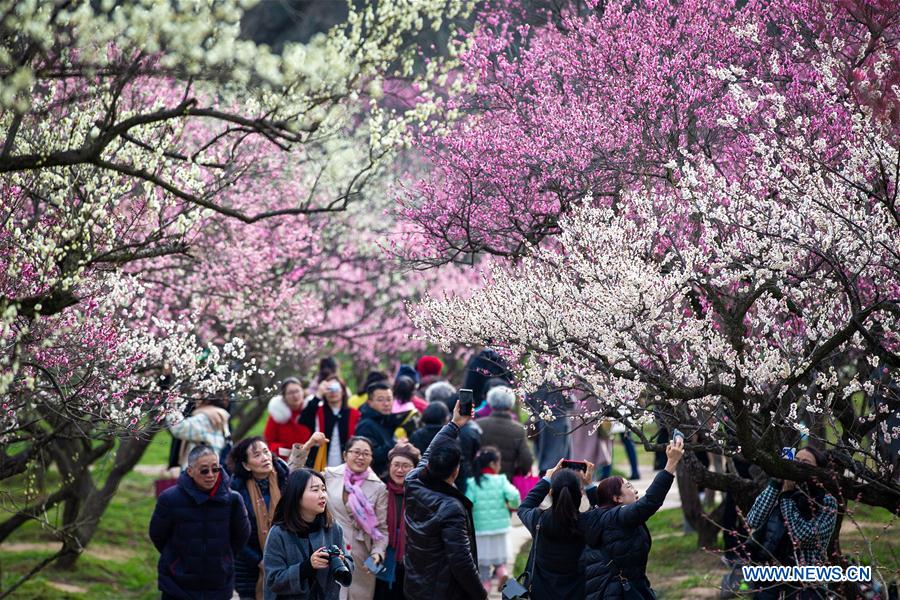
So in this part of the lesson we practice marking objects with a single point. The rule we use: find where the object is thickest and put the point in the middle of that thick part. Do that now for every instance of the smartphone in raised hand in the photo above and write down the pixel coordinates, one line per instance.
(466, 402)
(575, 465)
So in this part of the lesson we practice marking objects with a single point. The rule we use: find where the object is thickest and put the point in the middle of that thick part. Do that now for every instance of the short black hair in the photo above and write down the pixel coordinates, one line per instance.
(404, 388)
(435, 413)
(327, 366)
(359, 438)
(377, 385)
(444, 460)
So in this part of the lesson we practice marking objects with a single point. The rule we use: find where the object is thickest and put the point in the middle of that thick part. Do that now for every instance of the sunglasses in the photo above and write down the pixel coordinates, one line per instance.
(208, 471)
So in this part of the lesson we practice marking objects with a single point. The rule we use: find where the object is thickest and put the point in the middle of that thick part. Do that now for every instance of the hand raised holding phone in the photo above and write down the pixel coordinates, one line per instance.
(461, 416)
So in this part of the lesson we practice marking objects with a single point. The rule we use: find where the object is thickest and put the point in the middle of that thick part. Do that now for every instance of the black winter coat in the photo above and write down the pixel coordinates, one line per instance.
(485, 365)
(555, 564)
(618, 543)
(421, 437)
(440, 560)
(380, 429)
(198, 536)
(246, 563)
(469, 445)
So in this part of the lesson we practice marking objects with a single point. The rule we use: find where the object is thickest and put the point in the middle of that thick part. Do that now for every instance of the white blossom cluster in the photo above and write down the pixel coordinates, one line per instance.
(114, 363)
(735, 287)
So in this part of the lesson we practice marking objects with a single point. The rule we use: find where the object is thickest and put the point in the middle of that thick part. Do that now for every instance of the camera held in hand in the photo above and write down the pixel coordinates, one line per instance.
(337, 567)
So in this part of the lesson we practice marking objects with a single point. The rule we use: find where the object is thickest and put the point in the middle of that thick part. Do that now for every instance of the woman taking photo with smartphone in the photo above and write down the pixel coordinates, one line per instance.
(554, 565)
(616, 535)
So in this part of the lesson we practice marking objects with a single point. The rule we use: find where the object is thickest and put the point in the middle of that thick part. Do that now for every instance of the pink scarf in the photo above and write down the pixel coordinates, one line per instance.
(359, 504)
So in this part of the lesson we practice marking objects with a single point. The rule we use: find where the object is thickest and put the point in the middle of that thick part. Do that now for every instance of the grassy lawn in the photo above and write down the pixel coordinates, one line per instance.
(119, 563)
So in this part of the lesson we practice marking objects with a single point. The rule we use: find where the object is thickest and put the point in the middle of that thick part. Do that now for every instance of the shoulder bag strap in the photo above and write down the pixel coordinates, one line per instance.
(528, 575)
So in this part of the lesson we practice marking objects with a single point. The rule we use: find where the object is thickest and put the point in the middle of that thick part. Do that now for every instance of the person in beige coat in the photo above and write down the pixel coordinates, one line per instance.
(358, 501)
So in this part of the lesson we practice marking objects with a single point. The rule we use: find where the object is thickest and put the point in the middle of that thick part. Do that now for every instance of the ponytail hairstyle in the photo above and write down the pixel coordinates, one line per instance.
(483, 460)
(565, 486)
(608, 489)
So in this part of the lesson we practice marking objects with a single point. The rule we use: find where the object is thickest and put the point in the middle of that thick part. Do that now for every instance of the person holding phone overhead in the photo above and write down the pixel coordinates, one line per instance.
(555, 563)
(616, 535)
(441, 556)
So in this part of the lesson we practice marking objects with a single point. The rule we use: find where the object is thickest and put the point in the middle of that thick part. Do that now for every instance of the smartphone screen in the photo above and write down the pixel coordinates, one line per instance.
(577, 465)
(375, 569)
(466, 402)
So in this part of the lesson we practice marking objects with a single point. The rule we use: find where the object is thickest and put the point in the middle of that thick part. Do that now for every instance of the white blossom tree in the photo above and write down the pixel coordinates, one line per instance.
(747, 305)
(123, 124)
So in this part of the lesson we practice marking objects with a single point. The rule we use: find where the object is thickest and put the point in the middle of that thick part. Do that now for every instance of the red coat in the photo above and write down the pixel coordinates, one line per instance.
(283, 429)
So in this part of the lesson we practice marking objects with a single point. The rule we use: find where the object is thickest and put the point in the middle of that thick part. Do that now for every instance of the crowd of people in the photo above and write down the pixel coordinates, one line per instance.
(394, 493)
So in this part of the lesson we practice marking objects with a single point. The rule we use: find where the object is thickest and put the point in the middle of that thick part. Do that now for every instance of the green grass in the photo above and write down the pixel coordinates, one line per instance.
(522, 559)
(120, 561)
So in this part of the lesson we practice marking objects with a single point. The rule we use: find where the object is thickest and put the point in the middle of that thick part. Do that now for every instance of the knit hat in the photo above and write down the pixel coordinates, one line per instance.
(429, 365)
(405, 450)
(407, 371)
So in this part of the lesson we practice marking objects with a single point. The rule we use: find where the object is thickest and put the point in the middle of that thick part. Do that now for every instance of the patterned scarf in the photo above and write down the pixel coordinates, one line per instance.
(261, 512)
(359, 504)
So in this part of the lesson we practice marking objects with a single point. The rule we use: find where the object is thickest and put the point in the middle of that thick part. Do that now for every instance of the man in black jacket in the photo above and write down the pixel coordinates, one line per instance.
(377, 422)
(440, 558)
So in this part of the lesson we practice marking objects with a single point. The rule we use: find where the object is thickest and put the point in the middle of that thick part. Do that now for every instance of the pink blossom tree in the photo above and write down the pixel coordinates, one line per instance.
(694, 212)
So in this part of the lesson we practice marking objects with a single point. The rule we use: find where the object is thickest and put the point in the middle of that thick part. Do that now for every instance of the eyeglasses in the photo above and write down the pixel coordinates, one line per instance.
(208, 471)
(362, 453)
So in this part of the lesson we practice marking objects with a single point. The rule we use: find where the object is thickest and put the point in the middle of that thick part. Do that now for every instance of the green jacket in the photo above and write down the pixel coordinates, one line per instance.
(491, 502)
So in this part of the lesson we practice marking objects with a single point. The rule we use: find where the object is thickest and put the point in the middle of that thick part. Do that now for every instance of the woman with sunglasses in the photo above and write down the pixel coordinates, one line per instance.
(358, 500)
(199, 526)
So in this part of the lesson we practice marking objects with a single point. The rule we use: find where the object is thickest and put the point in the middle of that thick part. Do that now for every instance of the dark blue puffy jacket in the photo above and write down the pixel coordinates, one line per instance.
(198, 536)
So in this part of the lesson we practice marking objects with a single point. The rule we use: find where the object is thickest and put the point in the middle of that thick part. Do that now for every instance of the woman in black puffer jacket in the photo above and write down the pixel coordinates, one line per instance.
(617, 541)
(555, 561)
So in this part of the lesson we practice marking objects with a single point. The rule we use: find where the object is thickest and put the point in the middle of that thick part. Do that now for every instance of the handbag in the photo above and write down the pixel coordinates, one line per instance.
(161, 485)
(520, 587)
(524, 483)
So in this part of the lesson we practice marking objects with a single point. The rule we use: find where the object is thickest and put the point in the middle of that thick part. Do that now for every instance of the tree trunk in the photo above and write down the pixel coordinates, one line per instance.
(247, 419)
(706, 525)
(94, 505)
(251, 411)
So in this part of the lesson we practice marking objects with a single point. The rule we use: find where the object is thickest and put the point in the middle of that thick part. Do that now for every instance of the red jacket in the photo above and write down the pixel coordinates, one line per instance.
(283, 429)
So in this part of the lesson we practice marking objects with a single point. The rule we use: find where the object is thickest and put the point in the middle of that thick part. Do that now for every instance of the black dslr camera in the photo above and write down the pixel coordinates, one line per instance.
(336, 566)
